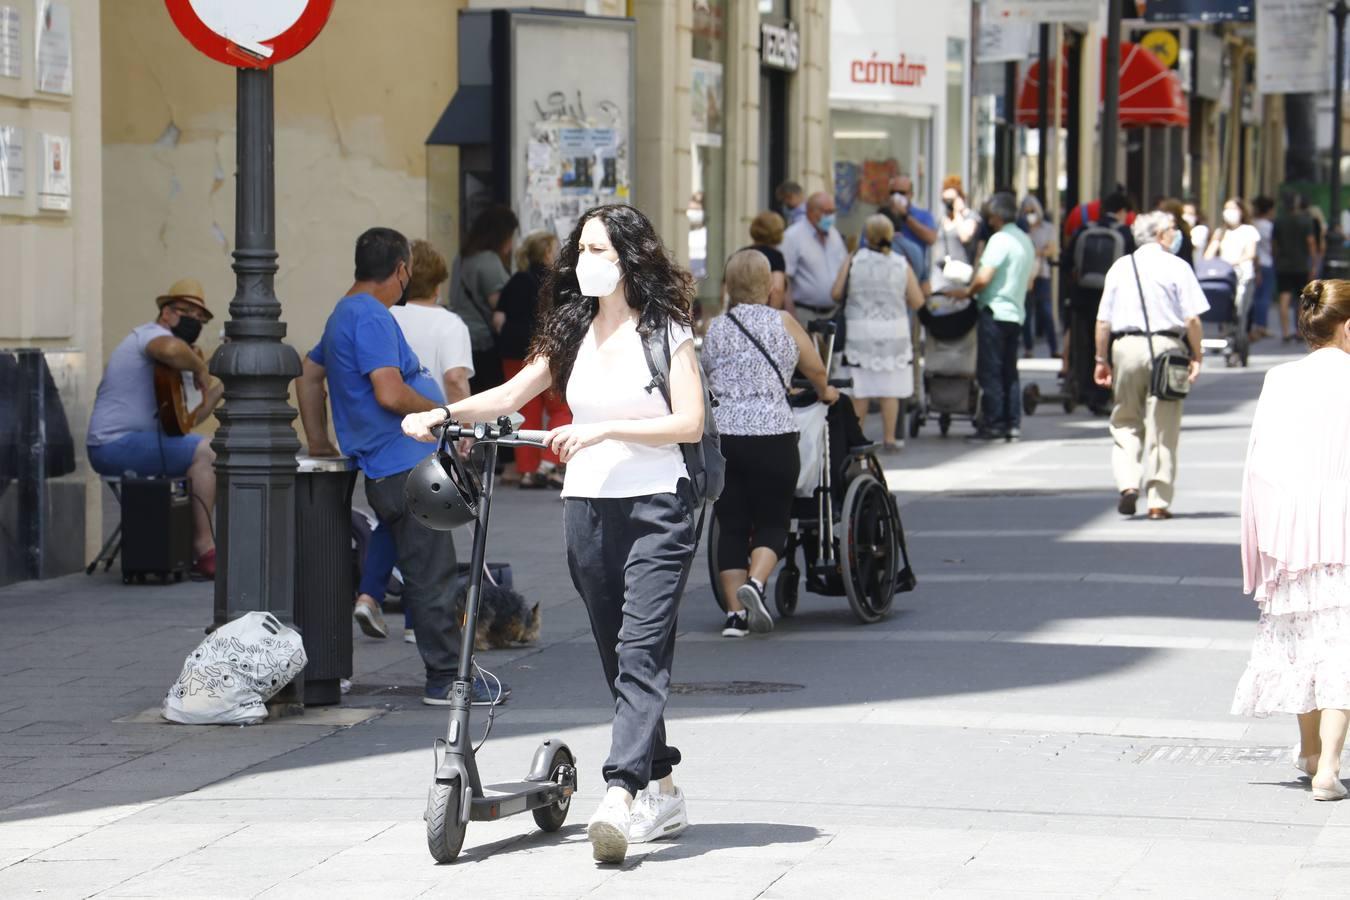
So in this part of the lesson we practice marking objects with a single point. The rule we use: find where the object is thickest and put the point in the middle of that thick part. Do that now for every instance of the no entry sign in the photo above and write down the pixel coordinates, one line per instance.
(252, 34)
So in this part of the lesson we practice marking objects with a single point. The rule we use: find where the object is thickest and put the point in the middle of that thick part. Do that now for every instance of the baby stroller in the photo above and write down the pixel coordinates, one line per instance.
(1227, 314)
(948, 389)
(844, 518)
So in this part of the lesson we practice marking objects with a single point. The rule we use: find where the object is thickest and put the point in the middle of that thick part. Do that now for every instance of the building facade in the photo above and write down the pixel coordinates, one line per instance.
(51, 244)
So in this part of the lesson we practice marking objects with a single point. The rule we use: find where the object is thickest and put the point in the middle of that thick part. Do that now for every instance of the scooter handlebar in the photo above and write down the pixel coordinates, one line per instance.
(483, 431)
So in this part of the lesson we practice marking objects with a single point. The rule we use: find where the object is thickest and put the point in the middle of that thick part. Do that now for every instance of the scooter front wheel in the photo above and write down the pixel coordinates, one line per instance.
(563, 768)
(445, 833)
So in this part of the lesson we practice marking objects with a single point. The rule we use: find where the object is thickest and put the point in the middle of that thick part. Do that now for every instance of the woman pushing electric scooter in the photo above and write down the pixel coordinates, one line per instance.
(630, 501)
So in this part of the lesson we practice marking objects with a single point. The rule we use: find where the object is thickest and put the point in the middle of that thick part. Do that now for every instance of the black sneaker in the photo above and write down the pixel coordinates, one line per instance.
(486, 692)
(737, 626)
(984, 437)
(752, 598)
(1128, 500)
(1013, 436)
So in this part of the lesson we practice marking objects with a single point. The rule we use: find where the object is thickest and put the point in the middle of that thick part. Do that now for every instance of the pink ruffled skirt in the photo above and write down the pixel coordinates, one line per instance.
(1301, 658)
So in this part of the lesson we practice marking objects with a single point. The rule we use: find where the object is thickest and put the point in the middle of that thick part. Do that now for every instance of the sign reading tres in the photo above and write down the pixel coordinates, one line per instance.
(887, 51)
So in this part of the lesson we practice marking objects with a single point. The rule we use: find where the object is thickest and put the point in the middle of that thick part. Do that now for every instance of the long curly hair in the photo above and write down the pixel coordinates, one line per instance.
(653, 284)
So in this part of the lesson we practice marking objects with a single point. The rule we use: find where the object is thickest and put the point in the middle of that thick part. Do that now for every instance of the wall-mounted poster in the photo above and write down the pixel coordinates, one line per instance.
(53, 71)
(11, 161)
(705, 102)
(54, 188)
(571, 138)
(11, 43)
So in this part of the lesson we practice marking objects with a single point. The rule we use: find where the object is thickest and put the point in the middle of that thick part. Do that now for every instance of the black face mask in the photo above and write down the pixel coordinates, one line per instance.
(950, 204)
(187, 330)
(403, 296)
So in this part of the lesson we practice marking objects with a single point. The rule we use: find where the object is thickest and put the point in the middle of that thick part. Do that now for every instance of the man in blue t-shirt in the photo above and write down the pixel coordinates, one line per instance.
(915, 227)
(374, 380)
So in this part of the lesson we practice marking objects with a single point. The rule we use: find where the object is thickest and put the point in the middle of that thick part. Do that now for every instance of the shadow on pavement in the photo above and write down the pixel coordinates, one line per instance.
(937, 646)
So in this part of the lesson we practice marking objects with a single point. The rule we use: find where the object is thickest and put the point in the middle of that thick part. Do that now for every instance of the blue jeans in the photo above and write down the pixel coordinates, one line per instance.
(1264, 298)
(996, 370)
(378, 567)
(1040, 318)
(144, 453)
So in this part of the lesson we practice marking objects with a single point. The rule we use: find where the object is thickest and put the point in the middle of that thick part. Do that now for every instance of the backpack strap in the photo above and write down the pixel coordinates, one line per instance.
(658, 363)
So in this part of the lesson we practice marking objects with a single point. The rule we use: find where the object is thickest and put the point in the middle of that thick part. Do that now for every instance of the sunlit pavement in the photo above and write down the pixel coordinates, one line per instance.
(1047, 714)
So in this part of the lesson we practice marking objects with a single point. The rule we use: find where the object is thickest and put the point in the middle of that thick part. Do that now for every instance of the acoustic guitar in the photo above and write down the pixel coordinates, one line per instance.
(177, 400)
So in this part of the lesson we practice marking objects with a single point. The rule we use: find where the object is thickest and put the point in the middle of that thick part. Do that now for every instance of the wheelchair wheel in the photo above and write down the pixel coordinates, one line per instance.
(869, 545)
(1031, 398)
(915, 422)
(785, 591)
(713, 532)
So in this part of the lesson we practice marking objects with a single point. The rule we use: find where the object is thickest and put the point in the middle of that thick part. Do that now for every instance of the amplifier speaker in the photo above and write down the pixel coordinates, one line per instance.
(156, 529)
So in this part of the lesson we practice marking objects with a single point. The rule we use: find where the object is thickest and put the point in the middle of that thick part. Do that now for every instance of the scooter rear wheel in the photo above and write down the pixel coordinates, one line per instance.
(552, 817)
(445, 833)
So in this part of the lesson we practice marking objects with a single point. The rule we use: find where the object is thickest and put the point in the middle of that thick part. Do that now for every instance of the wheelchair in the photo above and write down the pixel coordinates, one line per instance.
(848, 529)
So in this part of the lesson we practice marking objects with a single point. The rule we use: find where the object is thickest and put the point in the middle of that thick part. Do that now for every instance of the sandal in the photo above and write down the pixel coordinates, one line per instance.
(532, 481)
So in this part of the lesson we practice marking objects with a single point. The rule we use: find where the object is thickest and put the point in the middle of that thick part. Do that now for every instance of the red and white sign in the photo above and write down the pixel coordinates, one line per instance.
(888, 51)
(250, 34)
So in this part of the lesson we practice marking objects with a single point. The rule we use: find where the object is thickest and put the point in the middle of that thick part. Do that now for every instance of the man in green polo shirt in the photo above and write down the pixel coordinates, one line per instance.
(1000, 287)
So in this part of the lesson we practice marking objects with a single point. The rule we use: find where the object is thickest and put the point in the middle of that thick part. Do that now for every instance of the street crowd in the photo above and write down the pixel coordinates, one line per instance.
(567, 338)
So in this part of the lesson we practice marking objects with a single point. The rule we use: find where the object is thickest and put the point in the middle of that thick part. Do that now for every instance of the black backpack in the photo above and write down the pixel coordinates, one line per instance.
(1097, 247)
(707, 467)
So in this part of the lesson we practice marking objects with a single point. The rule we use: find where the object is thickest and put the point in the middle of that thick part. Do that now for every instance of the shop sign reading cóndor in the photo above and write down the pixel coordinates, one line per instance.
(887, 51)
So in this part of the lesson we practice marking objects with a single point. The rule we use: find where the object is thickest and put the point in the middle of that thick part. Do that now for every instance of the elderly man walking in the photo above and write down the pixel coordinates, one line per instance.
(1001, 282)
(1149, 294)
(813, 252)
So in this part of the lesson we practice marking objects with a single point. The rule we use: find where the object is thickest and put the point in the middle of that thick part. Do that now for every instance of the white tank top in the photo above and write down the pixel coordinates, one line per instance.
(609, 383)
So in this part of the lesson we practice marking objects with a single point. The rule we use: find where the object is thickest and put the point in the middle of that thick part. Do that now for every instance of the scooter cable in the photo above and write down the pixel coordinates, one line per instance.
(492, 709)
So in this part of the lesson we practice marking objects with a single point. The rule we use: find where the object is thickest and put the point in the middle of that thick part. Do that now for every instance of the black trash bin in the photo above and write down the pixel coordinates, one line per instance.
(323, 574)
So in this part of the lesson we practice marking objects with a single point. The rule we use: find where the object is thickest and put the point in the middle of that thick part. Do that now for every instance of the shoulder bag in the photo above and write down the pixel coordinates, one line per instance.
(1170, 377)
(760, 347)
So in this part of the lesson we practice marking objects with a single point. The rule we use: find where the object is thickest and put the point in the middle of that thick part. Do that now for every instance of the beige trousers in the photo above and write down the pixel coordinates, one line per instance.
(1145, 429)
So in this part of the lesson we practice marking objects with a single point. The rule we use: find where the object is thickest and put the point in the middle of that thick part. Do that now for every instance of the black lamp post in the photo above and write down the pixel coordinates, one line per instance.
(1111, 108)
(1338, 12)
(256, 445)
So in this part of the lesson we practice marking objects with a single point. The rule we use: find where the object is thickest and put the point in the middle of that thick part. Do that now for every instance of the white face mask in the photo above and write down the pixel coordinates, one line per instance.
(1032, 219)
(1189, 219)
(597, 276)
(695, 217)
(1232, 218)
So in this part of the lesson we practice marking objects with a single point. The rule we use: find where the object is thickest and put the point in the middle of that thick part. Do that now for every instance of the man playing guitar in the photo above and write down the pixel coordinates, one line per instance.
(127, 432)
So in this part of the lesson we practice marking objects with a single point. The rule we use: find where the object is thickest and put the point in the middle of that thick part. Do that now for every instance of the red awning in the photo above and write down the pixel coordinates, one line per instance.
(1150, 93)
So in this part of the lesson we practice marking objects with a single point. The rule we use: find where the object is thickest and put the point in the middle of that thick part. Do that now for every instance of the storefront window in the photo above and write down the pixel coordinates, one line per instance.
(708, 239)
(869, 149)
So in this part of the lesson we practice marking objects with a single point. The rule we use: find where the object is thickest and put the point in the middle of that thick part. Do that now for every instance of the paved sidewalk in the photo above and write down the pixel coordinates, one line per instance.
(1046, 715)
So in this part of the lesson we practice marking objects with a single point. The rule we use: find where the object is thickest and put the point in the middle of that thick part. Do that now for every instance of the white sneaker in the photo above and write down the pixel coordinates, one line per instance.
(657, 816)
(608, 830)
(409, 636)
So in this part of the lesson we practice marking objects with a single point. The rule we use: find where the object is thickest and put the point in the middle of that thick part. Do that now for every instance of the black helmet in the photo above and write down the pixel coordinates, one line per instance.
(442, 492)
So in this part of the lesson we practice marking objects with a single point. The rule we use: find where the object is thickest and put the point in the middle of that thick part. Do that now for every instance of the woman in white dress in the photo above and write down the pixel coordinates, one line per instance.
(878, 289)
(1296, 543)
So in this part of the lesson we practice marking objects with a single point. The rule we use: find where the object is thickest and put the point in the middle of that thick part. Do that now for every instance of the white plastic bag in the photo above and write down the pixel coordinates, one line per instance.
(231, 674)
(810, 445)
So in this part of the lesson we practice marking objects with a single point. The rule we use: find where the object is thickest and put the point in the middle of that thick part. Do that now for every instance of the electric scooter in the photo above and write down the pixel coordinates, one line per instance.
(458, 796)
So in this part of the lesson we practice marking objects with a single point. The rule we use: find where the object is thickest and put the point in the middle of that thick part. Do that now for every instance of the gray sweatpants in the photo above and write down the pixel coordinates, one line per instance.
(427, 560)
(629, 559)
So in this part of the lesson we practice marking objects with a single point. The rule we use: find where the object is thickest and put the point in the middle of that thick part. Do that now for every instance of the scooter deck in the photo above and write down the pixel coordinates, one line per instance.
(510, 798)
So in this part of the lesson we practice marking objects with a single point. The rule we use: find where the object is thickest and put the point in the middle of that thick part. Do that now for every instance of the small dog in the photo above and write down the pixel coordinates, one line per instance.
(504, 620)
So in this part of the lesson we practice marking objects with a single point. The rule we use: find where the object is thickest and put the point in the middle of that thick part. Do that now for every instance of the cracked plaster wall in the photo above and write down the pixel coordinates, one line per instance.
(352, 115)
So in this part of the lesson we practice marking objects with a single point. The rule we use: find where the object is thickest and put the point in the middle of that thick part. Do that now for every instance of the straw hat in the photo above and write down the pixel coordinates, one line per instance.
(189, 290)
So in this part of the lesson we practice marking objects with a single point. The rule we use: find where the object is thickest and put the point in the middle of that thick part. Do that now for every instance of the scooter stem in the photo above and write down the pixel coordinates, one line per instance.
(480, 532)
